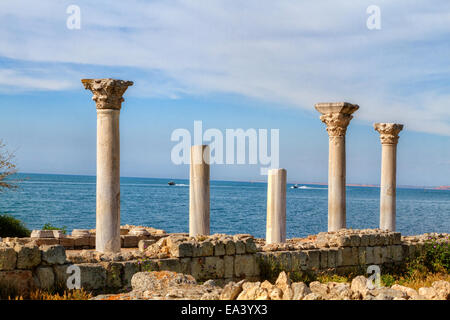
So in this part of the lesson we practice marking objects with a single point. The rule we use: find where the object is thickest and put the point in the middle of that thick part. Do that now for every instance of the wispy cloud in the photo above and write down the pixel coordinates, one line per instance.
(289, 52)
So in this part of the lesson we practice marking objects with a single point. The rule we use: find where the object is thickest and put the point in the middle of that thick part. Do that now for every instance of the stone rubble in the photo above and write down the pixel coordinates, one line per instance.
(165, 285)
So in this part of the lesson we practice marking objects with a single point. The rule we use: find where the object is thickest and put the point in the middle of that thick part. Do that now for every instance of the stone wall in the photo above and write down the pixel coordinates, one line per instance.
(220, 257)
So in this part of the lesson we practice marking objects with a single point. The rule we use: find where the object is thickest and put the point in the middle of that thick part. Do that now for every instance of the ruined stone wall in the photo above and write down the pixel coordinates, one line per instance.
(220, 257)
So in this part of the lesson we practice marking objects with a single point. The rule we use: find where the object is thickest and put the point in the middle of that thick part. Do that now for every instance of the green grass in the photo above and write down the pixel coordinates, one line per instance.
(12, 227)
(49, 226)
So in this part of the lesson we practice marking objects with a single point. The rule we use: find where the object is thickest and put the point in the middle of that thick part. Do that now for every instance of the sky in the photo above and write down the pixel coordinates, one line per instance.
(231, 64)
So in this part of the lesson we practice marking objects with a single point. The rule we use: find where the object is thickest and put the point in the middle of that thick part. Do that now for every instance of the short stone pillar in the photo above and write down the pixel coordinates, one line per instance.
(276, 206)
(199, 191)
(108, 98)
(389, 139)
(337, 116)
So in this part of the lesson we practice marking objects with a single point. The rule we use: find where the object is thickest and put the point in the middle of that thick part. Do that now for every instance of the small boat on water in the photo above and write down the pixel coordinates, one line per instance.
(171, 183)
(294, 186)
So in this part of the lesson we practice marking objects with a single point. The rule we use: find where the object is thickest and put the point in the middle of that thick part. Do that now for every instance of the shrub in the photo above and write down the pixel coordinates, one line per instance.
(49, 226)
(12, 227)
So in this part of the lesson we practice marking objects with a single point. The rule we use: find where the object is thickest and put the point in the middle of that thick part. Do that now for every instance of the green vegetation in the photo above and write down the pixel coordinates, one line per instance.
(49, 226)
(12, 227)
(7, 169)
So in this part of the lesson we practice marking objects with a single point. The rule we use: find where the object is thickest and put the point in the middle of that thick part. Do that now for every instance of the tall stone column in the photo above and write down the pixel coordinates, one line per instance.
(108, 98)
(199, 191)
(276, 206)
(389, 139)
(337, 116)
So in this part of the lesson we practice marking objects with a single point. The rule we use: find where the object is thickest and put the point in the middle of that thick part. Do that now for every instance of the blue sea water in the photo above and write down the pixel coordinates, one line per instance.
(236, 207)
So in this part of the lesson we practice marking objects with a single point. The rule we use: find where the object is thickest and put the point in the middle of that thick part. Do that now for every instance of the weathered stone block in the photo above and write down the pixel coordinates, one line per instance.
(172, 264)
(17, 282)
(45, 278)
(299, 259)
(332, 257)
(214, 267)
(397, 253)
(313, 261)
(245, 265)
(182, 249)
(93, 276)
(130, 241)
(377, 255)
(362, 255)
(46, 241)
(250, 246)
(28, 256)
(240, 247)
(347, 256)
(61, 275)
(80, 242)
(55, 254)
(284, 260)
(8, 258)
(113, 274)
(397, 238)
(185, 265)
(370, 255)
(219, 249)
(355, 240)
(343, 241)
(67, 243)
(228, 266)
(230, 248)
(144, 244)
(206, 249)
(149, 265)
(365, 239)
(386, 254)
(323, 259)
(92, 241)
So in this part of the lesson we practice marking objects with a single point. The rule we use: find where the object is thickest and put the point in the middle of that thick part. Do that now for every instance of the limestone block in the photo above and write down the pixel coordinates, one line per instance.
(362, 255)
(172, 264)
(299, 259)
(343, 241)
(28, 256)
(284, 260)
(370, 255)
(80, 242)
(313, 261)
(18, 282)
(377, 255)
(240, 247)
(55, 254)
(355, 240)
(386, 254)
(230, 248)
(61, 275)
(93, 276)
(182, 249)
(113, 274)
(397, 253)
(397, 238)
(250, 246)
(347, 256)
(92, 241)
(185, 265)
(228, 266)
(332, 257)
(67, 243)
(45, 278)
(206, 249)
(8, 258)
(214, 267)
(245, 265)
(144, 244)
(42, 234)
(219, 249)
(130, 241)
(149, 265)
(46, 241)
(323, 259)
(80, 233)
(373, 239)
(365, 239)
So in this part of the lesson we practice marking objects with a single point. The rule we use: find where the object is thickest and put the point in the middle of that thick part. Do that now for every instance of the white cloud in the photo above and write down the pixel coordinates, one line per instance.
(290, 52)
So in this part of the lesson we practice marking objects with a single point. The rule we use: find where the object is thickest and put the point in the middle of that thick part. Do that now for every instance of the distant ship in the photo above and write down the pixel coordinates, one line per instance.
(294, 186)
(171, 183)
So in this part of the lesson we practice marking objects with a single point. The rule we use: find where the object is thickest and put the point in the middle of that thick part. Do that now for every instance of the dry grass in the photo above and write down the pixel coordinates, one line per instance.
(80, 294)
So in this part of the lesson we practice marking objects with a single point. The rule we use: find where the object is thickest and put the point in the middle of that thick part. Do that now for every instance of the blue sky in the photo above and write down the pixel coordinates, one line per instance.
(231, 64)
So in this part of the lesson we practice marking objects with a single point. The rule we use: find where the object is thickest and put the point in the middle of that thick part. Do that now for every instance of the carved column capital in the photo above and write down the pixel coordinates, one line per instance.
(337, 116)
(107, 92)
(388, 132)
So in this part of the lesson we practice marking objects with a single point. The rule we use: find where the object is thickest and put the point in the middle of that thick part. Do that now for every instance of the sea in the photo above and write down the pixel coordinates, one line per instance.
(236, 207)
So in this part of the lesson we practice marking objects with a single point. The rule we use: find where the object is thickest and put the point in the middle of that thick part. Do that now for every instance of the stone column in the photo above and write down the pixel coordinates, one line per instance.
(199, 191)
(276, 206)
(389, 139)
(108, 98)
(337, 117)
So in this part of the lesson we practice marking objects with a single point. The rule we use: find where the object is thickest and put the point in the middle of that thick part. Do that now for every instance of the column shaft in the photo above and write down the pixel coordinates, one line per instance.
(336, 184)
(108, 181)
(199, 205)
(276, 206)
(388, 187)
